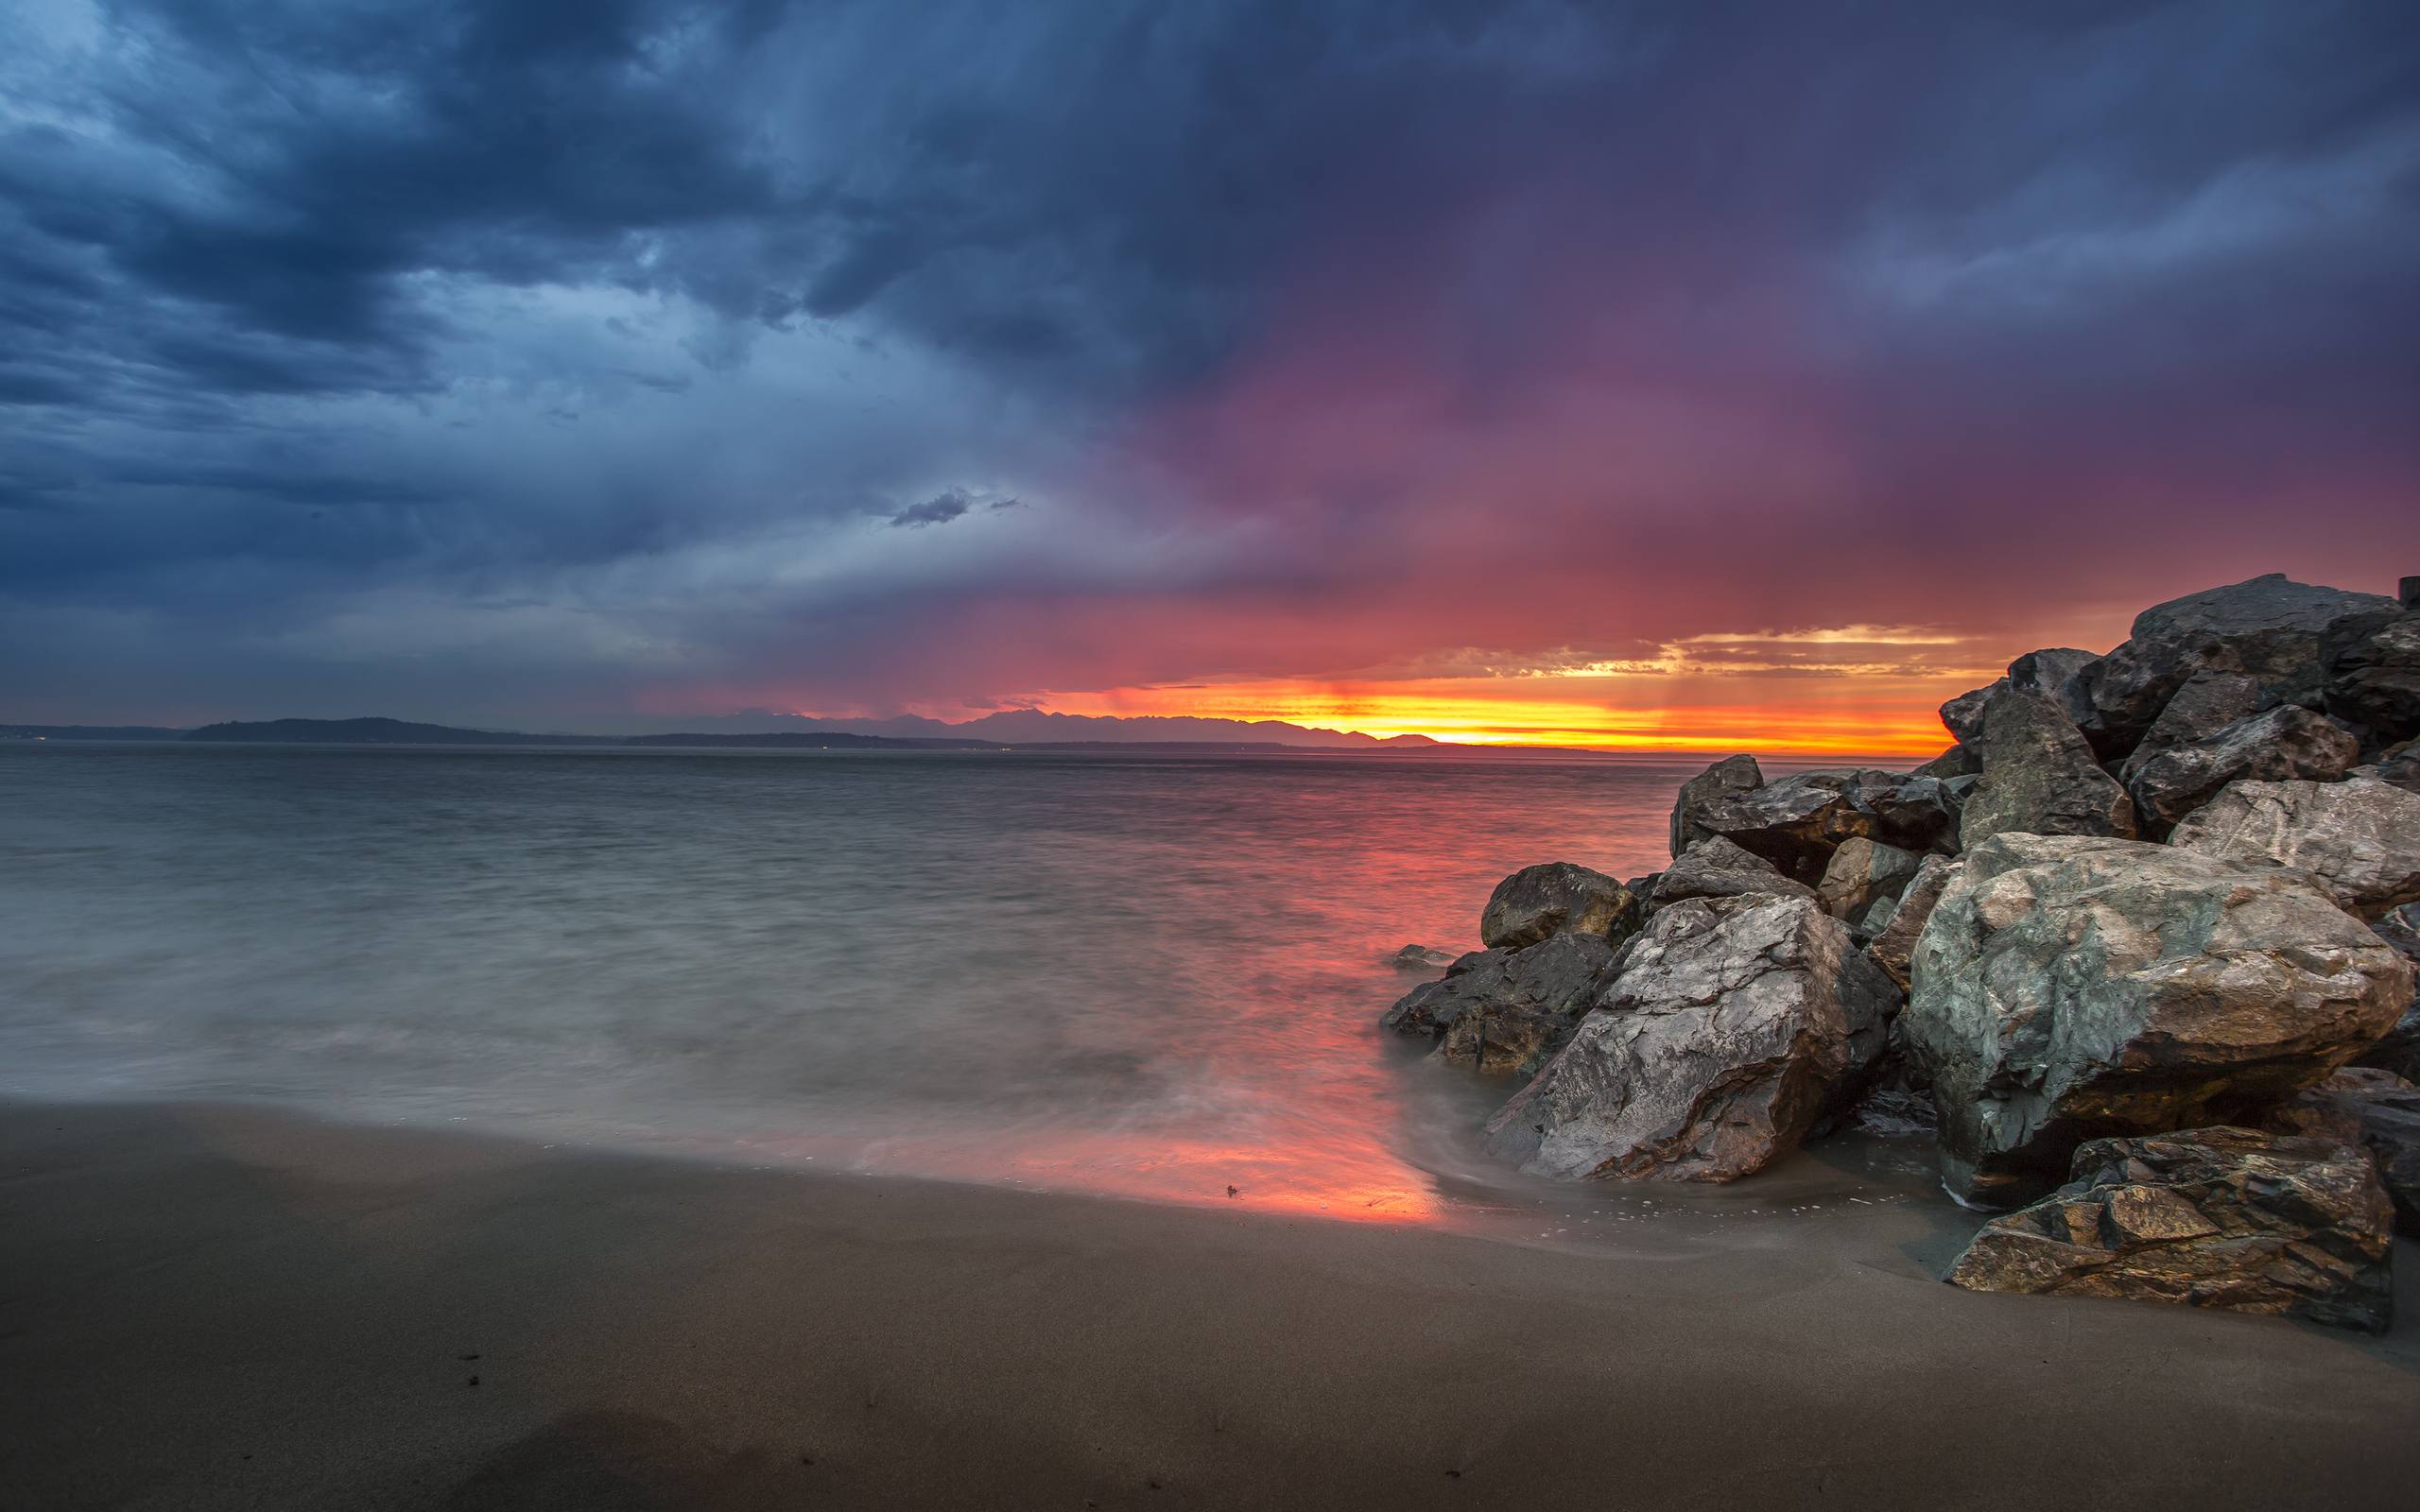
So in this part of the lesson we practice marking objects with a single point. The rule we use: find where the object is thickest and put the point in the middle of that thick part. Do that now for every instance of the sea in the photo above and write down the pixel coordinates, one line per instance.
(1143, 975)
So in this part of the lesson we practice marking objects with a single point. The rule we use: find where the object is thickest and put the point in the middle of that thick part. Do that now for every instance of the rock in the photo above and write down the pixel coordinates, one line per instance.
(2057, 676)
(2332, 1109)
(1554, 897)
(2208, 702)
(2400, 766)
(1958, 761)
(1733, 1026)
(2267, 628)
(2286, 743)
(2069, 988)
(1713, 867)
(1894, 944)
(1505, 1010)
(2370, 668)
(2398, 1050)
(1419, 958)
(1963, 716)
(2362, 837)
(2219, 1218)
(1727, 778)
(1861, 873)
(1797, 821)
(1891, 1113)
(2039, 776)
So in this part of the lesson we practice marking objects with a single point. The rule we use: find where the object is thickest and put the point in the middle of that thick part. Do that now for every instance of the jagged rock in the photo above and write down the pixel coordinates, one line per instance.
(1733, 1026)
(2067, 988)
(1861, 873)
(2058, 675)
(2267, 628)
(2208, 702)
(2216, 1217)
(1727, 778)
(2362, 837)
(1797, 821)
(1894, 944)
(2400, 766)
(1958, 761)
(1419, 958)
(2286, 743)
(1713, 867)
(2399, 1049)
(1555, 898)
(2371, 666)
(1505, 1010)
(1963, 716)
(2332, 1109)
(2039, 776)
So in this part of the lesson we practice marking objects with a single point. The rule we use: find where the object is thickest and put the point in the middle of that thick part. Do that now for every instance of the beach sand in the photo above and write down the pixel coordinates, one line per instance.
(210, 1306)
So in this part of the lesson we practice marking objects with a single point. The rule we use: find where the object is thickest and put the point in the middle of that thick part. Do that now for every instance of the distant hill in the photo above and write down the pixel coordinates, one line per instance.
(90, 733)
(377, 732)
(1031, 729)
(809, 740)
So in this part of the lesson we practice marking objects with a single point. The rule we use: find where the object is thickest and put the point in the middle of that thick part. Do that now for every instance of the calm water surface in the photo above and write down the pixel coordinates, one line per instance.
(1150, 976)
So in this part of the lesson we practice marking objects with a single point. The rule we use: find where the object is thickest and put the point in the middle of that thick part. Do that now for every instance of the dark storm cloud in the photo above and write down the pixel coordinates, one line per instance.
(367, 316)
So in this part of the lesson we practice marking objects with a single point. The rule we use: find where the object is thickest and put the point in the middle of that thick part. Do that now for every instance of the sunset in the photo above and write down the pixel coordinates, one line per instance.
(1209, 753)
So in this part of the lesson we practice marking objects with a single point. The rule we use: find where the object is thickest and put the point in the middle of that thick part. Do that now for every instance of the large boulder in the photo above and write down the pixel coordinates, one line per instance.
(2362, 837)
(2370, 663)
(2286, 744)
(2267, 628)
(1963, 716)
(1894, 944)
(1861, 873)
(1713, 867)
(2069, 988)
(1556, 898)
(1734, 1026)
(2059, 675)
(2039, 776)
(1797, 821)
(2208, 702)
(1505, 1010)
(2216, 1217)
(1727, 778)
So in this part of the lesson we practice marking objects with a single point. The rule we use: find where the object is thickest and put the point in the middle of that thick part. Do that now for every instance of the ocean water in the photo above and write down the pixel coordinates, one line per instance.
(1150, 976)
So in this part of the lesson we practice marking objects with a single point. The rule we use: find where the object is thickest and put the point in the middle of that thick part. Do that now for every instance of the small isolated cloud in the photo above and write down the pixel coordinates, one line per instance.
(945, 506)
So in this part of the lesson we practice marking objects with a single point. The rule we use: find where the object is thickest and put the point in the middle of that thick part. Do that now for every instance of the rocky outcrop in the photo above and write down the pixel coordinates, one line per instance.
(1557, 898)
(2216, 1217)
(2288, 743)
(2039, 776)
(1733, 1027)
(1894, 944)
(2267, 629)
(2362, 837)
(2069, 988)
(1796, 823)
(1713, 867)
(1505, 1010)
(2370, 668)
(1727, 778)
(1861, 873)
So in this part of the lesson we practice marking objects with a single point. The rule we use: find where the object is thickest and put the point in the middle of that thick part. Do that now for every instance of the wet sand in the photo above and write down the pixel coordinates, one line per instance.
(207, 1306)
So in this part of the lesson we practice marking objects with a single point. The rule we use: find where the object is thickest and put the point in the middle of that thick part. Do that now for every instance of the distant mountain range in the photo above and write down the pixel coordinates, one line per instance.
(1018, 731)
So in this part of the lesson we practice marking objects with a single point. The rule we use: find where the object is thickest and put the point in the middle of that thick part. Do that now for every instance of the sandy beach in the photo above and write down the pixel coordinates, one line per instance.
(208, 1306)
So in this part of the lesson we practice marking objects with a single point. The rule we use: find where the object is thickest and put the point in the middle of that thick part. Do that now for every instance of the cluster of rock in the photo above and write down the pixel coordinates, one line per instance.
(2143, 938)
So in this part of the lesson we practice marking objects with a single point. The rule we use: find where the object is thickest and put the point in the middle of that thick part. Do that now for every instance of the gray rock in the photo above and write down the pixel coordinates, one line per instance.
(1419, 958)
(1727, 778)
(1713, 867)
(2286, 743)
(1958, 761)
(2398, 1050)
(2333, 1109)
(1861, 873)
(2370, 663)
(1555, 898)
(2400, 766)
(1505, 1010)
(1894, 944)
(2069, 988)
(1733, 1026)
(2267, 628)
(2039, 776)
(2222, 1217)
(1963, 716)
(1797, 821)
(2059, 675)
(2362, 837)
(2208, 702)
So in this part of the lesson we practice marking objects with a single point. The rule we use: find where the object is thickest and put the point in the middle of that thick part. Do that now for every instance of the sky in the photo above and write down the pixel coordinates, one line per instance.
(1690, 375)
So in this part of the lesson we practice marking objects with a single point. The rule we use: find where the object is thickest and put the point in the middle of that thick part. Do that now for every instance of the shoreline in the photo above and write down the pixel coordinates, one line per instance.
(221, 1305)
